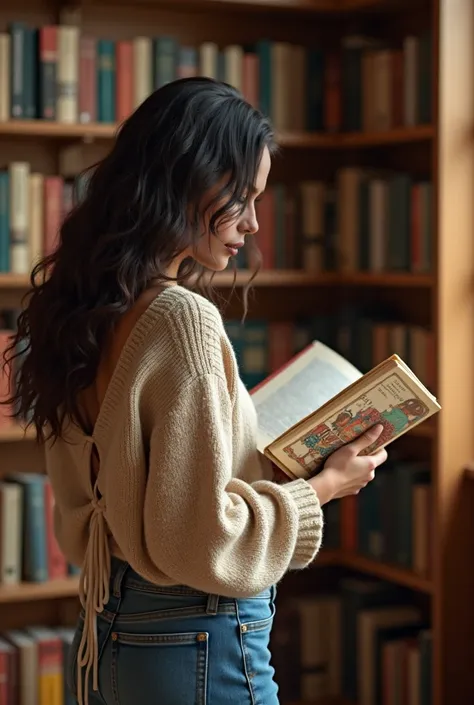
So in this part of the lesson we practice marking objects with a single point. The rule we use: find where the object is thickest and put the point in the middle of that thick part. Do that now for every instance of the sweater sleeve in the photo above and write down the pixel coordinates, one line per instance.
(207, 529)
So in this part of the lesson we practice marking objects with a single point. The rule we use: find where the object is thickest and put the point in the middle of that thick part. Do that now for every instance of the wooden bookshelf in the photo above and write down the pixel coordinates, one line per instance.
(13, 434)
(26, 592)
(287, 279)
(443, 300)
(303, 140)
(323, 701)
(367, 566)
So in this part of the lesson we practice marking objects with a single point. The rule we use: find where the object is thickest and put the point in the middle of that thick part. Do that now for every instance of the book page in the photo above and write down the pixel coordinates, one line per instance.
(308, 382)
(394, 400)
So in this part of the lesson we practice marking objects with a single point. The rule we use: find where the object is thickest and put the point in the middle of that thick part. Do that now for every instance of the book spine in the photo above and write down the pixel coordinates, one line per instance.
(17, 62)
(124, 94)
(106, 80)
(5, 88)
(19, 217)
(67, 108)
(88, 99)
(48, 59)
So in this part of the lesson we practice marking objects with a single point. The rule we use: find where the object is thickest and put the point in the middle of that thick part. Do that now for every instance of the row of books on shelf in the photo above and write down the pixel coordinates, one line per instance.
(32, 208)
(33, 665)
(365, 222)
(29, 550)
(389, 521)
(57, 73)
(262, 347)
(365, 642)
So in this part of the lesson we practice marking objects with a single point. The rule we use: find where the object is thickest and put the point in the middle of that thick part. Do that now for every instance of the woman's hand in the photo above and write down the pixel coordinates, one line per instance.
(345, 471)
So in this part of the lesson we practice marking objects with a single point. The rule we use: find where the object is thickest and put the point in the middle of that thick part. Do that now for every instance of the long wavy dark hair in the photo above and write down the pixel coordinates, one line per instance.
(139, 211)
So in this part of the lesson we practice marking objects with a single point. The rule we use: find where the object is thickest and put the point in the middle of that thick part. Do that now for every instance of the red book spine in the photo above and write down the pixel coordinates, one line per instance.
(57, 567)
(48, 54)
(280, 344)
(53, 211)
(332, 92)
(87, 80)
(349, 523)
(124, 92)
(3, 678)
(266, 233)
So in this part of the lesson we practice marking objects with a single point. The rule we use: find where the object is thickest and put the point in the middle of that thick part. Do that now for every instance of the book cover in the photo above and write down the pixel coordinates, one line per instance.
(319, 402)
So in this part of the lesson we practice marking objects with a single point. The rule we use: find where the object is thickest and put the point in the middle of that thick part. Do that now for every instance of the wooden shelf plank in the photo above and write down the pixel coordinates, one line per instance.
(278, 278)
(16, 433)
(306, 140)
(420, 133)
(289, 6)
(323, 701)
(53, 589)
(385, 571)
(47, 128)
(14, 281)
(289, 277)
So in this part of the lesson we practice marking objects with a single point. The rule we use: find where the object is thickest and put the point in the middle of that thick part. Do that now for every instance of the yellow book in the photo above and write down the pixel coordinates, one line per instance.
(50, 666)
(319, 402)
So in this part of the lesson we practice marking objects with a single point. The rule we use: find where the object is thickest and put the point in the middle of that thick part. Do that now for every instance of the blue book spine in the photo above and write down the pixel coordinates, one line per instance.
(35, 562)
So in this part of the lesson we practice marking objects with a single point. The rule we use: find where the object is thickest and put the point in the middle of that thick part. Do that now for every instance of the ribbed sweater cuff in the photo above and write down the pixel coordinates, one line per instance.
(310, 523)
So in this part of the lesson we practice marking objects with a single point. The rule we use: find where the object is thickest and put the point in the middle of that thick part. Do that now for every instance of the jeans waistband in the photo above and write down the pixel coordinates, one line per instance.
(123, 576)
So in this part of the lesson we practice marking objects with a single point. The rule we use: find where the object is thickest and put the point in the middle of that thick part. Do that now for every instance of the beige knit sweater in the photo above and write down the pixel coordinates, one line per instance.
(183, 499)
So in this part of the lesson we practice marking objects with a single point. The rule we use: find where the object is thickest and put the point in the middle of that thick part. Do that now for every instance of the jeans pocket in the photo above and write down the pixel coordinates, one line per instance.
(255, 638)
(170, 669)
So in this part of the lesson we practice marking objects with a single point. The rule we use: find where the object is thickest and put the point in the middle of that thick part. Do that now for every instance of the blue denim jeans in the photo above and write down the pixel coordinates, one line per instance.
(177, 646)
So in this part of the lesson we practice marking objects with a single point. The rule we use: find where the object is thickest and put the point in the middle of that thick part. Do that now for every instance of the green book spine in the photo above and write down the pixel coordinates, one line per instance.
(264, 51)
(106, 80)
(165, 61)
(399, 233)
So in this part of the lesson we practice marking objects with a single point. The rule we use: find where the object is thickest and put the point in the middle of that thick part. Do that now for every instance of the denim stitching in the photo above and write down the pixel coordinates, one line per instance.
(132, 584)
(245, 655)
(261, 623)
(202, 665)
(113, 671)
(162, 615)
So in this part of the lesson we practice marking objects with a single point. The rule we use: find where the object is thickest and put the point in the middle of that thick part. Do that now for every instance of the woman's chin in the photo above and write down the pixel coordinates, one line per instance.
(218, 264)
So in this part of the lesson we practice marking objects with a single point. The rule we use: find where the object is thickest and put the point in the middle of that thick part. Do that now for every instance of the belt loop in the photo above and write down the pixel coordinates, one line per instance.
(118, 580)
(212, 604)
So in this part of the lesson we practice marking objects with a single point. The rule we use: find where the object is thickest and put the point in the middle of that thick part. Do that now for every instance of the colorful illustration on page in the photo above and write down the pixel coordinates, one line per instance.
(391, 403)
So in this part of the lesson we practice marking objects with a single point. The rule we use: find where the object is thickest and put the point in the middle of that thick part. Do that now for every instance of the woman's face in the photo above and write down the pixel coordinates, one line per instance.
(215, 251)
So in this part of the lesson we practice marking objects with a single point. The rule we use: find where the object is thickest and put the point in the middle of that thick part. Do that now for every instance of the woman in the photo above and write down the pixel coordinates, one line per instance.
(150, 437)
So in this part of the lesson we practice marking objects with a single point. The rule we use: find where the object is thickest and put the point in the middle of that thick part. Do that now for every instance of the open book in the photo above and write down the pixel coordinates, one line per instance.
(319, 401)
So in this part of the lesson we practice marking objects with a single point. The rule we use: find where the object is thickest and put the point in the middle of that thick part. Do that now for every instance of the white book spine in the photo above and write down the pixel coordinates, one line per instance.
(11, 533)
(19, 217)
(142, 69)
(67, 101)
